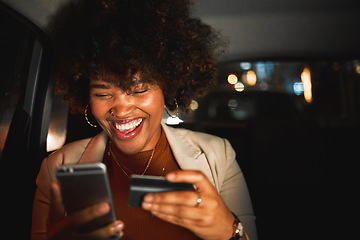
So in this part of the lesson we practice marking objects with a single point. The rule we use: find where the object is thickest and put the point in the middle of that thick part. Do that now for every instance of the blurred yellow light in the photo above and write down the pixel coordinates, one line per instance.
(232, 79)
(357, 69)
(239, 87)
(194, 105)
(249, 77)
(306, 80)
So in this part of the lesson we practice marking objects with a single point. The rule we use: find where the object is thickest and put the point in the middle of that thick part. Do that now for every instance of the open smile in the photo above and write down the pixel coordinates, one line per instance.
(127, 129)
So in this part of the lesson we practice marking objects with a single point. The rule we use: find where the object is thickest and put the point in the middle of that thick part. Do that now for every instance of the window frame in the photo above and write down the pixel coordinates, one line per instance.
(25, 145)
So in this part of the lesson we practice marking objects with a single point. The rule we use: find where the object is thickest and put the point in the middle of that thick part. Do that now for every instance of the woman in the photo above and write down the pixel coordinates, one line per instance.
(123, 62)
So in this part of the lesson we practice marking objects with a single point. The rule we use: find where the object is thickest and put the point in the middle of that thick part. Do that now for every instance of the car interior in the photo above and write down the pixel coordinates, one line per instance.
(286, 99)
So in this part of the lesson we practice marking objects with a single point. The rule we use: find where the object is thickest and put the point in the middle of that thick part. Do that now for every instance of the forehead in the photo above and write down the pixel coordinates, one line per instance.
(115, 79)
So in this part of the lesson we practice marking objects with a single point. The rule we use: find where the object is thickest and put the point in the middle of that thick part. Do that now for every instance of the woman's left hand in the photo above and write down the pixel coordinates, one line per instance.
(211, 219)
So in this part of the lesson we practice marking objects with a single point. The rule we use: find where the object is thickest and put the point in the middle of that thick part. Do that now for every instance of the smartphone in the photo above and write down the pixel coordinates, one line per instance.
(141, 185)
(84, 185)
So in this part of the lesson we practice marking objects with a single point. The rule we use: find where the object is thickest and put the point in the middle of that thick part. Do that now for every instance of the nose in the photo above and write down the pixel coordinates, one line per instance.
(123, 106)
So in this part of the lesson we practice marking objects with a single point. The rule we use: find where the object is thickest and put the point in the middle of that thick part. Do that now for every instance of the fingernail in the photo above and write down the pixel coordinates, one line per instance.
(170, 176)
(146, 205)
(149, 198)
(102, 208)
(117, 227)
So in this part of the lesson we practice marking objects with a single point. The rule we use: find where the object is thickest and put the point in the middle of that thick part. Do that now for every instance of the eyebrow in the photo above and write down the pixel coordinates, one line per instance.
(100, 86)
(136, 81)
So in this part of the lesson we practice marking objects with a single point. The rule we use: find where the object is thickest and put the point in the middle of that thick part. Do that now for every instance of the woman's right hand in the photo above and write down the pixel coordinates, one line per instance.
(64, 227)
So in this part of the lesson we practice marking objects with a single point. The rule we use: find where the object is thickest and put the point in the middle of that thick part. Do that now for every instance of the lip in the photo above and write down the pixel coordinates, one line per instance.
(127, 134)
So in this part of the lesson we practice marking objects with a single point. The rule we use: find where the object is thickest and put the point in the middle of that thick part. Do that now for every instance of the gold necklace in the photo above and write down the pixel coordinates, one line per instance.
(123, 167)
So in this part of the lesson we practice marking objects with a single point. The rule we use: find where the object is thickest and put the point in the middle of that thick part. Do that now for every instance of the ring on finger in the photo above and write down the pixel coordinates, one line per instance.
(198, 201)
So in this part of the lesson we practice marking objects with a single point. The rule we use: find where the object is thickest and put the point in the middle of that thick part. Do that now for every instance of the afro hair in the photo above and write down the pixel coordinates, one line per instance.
(157, 38)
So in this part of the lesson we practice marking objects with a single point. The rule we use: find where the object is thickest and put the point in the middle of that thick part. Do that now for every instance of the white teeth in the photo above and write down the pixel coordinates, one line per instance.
(128, 126)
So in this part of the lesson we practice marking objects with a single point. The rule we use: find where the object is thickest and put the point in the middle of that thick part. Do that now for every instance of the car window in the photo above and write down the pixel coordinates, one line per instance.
(17, 43)
(56, 136)
(324, 91)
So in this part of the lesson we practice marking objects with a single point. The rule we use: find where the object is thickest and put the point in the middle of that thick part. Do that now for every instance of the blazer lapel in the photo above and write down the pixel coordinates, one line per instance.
(187, 155)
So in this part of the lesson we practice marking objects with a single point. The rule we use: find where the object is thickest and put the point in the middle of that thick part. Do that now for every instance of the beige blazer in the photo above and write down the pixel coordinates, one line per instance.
(192, 150)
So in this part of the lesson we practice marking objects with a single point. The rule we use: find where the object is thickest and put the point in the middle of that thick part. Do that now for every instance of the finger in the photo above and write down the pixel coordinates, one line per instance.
(188, 198)
(105, 232)
(180, 211)
(60, 230)
(197, 178)
(57, 209)
(174, 219)
(88, 214)
(66, 226)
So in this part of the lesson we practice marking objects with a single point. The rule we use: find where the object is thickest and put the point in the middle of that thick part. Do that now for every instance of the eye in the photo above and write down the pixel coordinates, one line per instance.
(102, 95)
(140, 91)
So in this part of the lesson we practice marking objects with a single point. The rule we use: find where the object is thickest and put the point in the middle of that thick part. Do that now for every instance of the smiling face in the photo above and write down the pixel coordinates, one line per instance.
(130, 118)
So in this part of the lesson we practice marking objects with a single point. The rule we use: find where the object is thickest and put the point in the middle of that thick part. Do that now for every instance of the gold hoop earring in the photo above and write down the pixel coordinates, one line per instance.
(87, 119)
(177, 110)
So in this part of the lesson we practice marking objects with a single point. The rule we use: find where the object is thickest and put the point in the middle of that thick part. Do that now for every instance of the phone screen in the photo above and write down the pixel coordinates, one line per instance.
(82, 186)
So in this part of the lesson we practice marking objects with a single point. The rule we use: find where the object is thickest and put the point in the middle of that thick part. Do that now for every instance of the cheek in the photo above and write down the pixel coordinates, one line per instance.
(155, 104)
(98, 109)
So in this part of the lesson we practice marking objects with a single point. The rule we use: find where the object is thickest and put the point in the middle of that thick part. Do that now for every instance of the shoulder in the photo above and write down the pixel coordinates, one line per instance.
(198, 137)
(68, 154)
(187, 143)
(206, 142)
